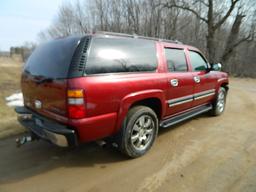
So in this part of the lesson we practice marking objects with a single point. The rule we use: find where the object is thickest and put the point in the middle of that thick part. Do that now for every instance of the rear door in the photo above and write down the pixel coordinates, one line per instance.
(180, 81)
(204, 80)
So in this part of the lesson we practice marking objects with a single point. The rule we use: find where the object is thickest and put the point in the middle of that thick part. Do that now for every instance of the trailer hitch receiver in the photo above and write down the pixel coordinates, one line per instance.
(24, 139)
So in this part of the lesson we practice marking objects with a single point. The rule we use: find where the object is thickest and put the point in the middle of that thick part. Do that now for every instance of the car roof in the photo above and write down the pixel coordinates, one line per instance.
(165, 42)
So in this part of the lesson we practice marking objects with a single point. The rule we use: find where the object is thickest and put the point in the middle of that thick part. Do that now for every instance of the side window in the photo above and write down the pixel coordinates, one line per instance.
(115, 55)
(197, 61)
(176, 60)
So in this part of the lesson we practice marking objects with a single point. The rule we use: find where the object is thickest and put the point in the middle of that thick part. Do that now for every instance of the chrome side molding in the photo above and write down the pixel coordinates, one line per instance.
(190, 98)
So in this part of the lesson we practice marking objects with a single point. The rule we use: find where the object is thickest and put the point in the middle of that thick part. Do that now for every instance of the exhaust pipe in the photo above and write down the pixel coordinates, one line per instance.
(105, 144)
(101, 143)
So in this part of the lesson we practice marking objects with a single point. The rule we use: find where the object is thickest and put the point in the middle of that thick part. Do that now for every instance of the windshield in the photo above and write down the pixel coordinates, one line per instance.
(52, 59)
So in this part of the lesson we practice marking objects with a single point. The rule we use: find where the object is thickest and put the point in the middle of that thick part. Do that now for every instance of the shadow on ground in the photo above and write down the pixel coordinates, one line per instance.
(39, 156)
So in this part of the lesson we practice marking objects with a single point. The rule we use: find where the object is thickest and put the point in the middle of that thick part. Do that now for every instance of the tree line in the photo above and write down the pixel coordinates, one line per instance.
(24, 51)
(223, 29)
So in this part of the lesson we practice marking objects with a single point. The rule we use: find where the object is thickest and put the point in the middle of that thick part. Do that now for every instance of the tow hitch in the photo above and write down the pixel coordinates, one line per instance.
(25, 139)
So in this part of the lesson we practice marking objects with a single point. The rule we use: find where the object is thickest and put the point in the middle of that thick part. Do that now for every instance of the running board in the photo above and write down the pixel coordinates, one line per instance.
(184, 116)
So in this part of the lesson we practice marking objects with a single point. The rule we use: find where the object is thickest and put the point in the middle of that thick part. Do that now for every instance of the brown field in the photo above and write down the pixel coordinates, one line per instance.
(9, 83)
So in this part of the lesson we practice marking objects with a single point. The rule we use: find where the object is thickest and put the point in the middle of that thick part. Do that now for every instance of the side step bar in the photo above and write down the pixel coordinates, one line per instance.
(184, 116)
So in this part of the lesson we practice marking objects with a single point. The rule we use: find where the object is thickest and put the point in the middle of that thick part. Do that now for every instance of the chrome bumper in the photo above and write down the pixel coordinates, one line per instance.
(46, 129)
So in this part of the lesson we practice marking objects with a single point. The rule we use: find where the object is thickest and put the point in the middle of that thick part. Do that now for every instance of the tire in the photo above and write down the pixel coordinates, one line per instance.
(220, 102)
(138, 132)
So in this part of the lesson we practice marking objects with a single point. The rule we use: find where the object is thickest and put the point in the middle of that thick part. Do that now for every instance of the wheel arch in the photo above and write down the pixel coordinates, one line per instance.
(153, 103)
(154, 99)
(225, 85)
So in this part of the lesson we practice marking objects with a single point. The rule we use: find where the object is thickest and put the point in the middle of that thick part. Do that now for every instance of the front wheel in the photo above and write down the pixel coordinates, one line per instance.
(220, 102)
(138, 132)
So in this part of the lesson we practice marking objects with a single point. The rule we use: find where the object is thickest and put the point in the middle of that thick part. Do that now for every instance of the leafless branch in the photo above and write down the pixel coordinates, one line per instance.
(224, 18)
(187, 8)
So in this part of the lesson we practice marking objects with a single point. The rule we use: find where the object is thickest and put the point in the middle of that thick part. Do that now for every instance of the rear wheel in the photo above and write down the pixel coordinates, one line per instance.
(138, 132)
(220, 102)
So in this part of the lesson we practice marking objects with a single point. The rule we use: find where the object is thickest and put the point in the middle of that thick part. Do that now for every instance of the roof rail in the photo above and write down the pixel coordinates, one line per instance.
(136, 36)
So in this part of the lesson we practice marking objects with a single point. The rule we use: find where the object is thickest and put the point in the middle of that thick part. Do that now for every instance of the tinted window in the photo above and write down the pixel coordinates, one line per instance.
(197, 61)
(52, 59)
(113, 55)
(176, 60)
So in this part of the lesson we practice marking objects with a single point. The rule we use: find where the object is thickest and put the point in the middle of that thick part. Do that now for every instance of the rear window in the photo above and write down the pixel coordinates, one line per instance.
(114, 55)
(52, 59)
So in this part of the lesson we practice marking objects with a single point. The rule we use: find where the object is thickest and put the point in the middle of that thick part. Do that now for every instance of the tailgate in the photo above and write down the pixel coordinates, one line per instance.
(46, 98)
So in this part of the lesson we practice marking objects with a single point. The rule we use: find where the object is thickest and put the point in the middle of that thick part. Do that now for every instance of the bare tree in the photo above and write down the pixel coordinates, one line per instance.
(218, 27)
(209, 18)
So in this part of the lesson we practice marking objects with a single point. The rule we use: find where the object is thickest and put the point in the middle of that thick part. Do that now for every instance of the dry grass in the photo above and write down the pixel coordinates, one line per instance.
(10, 71)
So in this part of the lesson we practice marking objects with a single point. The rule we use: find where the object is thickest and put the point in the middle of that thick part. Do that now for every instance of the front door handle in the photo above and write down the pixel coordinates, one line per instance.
(197, 79)
(174, 82)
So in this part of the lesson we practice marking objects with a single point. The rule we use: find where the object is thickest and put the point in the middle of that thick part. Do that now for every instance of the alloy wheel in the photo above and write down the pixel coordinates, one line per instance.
(221, 101)
(142, 132)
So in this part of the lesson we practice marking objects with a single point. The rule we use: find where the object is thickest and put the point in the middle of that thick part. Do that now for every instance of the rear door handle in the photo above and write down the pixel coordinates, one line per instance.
(197, 79)
(174, 82)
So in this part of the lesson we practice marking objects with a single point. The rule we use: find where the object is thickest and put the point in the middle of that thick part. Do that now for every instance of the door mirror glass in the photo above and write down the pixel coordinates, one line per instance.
(216, 67)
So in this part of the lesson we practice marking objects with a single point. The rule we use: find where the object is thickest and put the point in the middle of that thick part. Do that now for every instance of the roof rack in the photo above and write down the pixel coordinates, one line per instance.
(136, 36)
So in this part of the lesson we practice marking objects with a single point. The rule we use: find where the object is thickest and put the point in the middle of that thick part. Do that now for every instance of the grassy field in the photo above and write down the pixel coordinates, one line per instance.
(10, 70)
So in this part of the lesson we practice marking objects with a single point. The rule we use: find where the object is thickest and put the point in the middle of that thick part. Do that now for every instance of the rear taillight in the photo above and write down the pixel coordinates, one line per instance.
(76, 105)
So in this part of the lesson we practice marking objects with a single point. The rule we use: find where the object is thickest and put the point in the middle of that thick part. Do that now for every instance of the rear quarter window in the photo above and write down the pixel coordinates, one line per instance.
(115, 55)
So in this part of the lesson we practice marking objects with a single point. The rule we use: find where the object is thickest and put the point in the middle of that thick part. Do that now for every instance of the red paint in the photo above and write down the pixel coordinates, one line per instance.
(76, 112)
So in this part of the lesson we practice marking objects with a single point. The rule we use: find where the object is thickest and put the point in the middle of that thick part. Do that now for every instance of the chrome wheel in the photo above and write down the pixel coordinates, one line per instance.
(142, 132)
(221, 101)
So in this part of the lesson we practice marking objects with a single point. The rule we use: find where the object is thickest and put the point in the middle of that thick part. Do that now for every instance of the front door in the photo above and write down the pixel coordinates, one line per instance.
(205, 81)
(180, 81)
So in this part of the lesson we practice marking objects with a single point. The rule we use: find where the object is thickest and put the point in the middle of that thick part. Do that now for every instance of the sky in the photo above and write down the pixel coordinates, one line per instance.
(22, 20)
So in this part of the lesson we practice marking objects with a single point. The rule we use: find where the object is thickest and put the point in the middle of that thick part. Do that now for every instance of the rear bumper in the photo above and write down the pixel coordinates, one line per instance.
(47, 129)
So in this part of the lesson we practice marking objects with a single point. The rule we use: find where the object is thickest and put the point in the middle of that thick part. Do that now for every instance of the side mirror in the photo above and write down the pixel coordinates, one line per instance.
(216, 67)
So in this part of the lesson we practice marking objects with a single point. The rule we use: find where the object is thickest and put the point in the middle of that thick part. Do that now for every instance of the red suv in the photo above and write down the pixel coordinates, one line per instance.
(119, 86)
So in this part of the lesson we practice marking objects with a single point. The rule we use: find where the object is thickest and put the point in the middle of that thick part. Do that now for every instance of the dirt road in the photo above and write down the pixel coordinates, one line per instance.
(210, 154)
